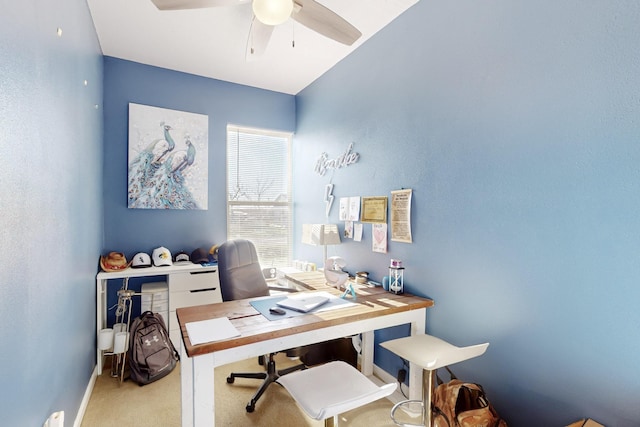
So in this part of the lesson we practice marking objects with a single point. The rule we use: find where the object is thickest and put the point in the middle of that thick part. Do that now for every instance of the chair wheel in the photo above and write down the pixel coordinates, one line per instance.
(230, 380)
(251, 407)
(261, 360)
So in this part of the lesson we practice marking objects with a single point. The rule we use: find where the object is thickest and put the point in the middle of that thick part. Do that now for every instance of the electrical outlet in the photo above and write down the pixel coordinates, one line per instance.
(402, 375)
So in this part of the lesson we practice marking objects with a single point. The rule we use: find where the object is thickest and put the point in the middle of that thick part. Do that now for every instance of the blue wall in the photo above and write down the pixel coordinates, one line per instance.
(516, 125)
(135, 230)
(51, 204)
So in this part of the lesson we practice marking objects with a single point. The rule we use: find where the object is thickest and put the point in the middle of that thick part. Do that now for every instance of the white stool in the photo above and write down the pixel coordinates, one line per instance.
(327, 390)
(430, 353)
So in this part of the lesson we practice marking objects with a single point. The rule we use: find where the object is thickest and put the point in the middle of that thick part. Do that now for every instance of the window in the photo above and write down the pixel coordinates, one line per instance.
(259, 206)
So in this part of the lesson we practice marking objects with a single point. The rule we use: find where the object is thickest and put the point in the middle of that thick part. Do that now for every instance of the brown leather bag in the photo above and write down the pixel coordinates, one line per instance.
(461, 404)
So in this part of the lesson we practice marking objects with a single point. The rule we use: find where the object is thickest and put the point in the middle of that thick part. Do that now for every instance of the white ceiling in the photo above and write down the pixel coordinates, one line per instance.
(211, 42)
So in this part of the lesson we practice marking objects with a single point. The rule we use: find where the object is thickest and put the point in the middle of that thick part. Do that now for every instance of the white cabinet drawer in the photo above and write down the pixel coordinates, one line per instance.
(187, 289)
(194, 280)
(157, 307)
(195, 297)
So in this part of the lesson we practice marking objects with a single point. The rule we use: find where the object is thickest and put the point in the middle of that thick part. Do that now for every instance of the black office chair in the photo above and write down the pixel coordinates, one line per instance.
(241, 277)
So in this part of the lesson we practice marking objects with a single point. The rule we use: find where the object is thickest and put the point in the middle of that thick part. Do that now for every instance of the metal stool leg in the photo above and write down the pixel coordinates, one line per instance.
(427, 395)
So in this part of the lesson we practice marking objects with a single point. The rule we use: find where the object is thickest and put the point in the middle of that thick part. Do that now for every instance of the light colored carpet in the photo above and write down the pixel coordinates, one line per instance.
(158, 404)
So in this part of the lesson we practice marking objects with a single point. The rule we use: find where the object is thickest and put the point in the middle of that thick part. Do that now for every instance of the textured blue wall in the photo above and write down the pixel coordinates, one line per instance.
(51, 204)
(134, 230)
(516, 125)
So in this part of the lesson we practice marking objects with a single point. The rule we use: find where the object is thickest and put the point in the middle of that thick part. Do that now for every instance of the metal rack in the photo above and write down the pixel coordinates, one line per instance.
(121, 330)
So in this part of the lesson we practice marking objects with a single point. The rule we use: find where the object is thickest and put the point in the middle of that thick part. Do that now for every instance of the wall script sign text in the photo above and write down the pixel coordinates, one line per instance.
(345, 159)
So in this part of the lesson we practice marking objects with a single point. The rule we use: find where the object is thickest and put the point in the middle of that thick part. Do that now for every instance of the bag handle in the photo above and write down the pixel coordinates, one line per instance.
(452, 376)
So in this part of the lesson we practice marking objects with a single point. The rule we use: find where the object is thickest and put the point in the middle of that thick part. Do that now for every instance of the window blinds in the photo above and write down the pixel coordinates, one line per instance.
(259, 206)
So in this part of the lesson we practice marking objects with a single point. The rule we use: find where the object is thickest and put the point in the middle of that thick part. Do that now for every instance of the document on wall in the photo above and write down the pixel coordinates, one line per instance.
(401, 216)
(357, 232)
(348, 229)
(211, 330)
(349, 208)
(379, 232)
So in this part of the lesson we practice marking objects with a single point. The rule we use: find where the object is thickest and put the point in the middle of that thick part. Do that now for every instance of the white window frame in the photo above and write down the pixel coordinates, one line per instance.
(265, 253)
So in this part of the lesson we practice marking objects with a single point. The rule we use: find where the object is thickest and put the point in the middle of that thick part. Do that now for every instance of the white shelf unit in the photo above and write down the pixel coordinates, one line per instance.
(189, 285)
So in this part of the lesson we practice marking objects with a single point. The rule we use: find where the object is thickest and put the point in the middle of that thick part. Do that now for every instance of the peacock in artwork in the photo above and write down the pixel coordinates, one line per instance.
(170, 143)
(188, 159)
(156, 178)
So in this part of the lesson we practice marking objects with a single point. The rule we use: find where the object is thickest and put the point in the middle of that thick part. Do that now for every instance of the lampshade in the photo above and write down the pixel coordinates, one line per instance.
(320, 234)
(272, 12)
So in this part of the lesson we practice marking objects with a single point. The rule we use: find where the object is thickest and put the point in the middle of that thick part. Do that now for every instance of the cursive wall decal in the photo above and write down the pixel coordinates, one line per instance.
(347, 158)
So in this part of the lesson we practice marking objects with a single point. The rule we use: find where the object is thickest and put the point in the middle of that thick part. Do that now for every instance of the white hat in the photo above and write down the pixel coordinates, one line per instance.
(140, 260)
(161, 256)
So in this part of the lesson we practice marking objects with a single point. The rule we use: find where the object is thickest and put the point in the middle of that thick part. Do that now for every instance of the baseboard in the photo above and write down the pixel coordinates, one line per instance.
(86, 398)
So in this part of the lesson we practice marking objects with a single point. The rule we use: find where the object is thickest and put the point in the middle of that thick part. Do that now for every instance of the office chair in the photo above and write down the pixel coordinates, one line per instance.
(241, 277)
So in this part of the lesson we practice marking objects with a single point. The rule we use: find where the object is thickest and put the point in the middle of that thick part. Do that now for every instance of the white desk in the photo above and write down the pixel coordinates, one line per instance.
(174, 271)
(376, 310)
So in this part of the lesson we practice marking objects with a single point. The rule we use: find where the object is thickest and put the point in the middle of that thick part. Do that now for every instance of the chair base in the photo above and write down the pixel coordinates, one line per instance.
(269, 376)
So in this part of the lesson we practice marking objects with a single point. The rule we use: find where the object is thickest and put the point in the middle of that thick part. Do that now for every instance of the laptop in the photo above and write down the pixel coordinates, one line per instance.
(303, 304)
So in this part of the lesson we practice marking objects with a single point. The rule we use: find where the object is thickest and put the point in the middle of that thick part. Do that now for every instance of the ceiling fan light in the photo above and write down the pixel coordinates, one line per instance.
(272, 12)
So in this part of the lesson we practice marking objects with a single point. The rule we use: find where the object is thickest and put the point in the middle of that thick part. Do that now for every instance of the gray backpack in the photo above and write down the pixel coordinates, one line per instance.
(151, 354)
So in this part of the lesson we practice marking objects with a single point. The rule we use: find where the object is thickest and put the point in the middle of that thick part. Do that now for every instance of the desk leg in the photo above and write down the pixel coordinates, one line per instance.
(197, 392)
(366, 361)
(186, 387)
(418, 326)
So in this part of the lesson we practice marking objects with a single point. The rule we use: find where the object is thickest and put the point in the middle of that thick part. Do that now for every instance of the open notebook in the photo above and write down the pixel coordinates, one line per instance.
(303, 304)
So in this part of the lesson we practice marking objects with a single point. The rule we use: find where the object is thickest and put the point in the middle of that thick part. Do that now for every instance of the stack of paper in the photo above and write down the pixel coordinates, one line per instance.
(211, 330)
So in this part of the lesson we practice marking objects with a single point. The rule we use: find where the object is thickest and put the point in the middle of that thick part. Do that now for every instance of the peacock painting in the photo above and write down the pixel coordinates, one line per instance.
(167, 159)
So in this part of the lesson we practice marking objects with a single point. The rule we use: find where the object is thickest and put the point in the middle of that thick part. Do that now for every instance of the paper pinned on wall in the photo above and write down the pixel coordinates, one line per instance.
(349, 208)
(357, 232)
(211, 330)
(379, 233)
(401, 216)
(348, 229)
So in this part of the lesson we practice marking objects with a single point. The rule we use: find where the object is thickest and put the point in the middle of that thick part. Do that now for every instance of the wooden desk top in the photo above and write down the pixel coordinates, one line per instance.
(254, 327)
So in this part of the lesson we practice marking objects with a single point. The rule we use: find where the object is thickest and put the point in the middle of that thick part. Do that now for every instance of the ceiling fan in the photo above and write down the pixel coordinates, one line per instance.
(269, 13)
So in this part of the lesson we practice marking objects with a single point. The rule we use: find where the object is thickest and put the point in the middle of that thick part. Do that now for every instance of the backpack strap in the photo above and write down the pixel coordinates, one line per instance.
(452, 376)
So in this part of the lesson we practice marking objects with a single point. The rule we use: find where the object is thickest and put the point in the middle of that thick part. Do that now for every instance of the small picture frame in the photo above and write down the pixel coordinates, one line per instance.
(374, 209)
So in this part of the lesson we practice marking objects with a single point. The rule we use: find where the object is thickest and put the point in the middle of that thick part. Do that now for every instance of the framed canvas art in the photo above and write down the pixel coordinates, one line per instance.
(168, 159)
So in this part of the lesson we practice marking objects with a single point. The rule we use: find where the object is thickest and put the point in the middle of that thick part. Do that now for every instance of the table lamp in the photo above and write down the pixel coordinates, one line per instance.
(321, 234)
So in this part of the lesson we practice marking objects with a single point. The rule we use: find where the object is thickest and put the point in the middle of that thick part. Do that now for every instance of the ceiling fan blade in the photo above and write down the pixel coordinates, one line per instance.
(194, 4)
(315, 16)
(259, 36)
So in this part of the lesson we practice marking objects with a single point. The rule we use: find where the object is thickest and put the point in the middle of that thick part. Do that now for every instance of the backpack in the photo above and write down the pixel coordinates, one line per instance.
(151, 354)
(460, 404)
